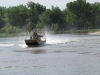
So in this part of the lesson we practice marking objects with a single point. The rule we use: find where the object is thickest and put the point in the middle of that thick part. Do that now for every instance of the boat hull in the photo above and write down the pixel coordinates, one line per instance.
(31, 42)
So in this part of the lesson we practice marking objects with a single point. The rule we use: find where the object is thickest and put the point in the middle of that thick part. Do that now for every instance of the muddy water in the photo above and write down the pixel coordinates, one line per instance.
(63, 54)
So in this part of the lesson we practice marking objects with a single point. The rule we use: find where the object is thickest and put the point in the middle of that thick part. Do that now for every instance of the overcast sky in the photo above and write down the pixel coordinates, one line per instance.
(60, 3)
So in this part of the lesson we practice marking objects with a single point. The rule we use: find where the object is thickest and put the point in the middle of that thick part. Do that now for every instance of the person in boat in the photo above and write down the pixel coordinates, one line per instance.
(35, 35)
(31, 35)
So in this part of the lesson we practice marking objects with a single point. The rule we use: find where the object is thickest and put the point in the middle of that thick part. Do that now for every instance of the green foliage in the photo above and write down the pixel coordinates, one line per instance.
(54, 26)
(34, 11)
(78, 14)
(55, 15)
(17, 15)
(39, 26)
(45, 18)
(2, 21)
(5, 35)
(29, 26)
(10, 29)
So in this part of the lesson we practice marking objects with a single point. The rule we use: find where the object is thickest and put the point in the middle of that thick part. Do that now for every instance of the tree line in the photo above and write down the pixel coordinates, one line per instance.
(78, 15)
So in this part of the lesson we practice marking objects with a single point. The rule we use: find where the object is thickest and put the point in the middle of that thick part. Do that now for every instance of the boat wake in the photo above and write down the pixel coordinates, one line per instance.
(13, 45)
(6, 45)
(50, 40)
(60, 39)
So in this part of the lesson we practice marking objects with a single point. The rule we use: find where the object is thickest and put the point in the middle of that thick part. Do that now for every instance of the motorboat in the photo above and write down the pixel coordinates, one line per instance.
(36, 38)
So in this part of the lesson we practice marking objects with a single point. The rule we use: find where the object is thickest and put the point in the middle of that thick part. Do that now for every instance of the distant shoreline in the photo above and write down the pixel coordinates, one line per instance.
(90, 32)
(95, 33)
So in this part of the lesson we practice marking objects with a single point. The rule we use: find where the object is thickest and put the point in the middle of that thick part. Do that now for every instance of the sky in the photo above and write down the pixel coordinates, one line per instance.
(48, 3)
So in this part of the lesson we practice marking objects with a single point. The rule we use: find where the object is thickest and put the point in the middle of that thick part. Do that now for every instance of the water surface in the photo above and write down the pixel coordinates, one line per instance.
(63, 54)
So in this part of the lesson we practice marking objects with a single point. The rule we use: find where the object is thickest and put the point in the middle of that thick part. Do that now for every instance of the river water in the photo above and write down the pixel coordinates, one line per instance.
(63, 54)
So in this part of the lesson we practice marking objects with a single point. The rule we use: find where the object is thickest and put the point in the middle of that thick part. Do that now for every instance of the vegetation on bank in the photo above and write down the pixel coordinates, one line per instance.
(79, 31)
(57, 32)
(5, 35)
(79, 15)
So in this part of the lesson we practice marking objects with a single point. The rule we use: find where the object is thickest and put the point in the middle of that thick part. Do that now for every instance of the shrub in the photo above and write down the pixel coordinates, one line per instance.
(10, 29)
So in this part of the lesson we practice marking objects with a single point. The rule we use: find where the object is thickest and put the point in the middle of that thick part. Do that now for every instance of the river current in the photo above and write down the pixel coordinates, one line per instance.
(63, 54)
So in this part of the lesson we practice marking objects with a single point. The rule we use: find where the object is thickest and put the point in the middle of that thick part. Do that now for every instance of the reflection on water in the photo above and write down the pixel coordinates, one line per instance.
(35, 51)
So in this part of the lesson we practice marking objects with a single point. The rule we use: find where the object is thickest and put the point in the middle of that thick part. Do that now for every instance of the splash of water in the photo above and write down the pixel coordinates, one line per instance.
(60, 38)
(3, 45)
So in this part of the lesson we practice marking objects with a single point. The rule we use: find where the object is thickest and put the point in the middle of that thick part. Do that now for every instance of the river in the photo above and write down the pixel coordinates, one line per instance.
(63, 54)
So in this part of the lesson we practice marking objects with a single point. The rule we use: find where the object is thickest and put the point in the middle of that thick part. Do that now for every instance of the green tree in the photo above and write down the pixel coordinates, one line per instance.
(34, 11)
(51, 17)
(2, 17)
(54, 26)
(17, 15)
(79, 14)
(45, 19)
(10, 29)
(58, 17)
(96, 15)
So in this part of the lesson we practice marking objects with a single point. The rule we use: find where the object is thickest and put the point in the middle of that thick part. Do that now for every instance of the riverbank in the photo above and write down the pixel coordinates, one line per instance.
(89, 31)
(5, 35)
(95, 33)
(12, 34)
